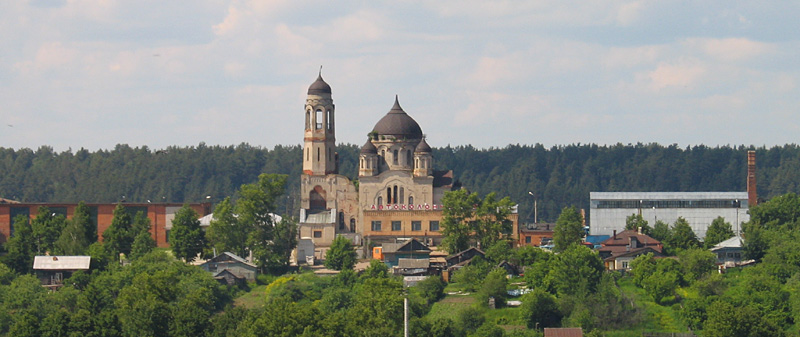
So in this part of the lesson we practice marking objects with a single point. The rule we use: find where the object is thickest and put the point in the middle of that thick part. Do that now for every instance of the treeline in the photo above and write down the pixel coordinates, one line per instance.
(558, 176)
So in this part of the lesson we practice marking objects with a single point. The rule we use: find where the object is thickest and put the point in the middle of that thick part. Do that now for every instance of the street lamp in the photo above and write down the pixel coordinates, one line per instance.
(535, 211)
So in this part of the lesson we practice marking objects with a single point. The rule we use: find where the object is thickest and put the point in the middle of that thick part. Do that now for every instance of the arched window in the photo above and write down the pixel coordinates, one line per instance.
(394, 196)
(410, 200)
(388, 195)
(308, 119)
(352, 225)
(308, 153)
(408, 157)
(330, 120)
(316, 199)
(394, 157)
(402, 198)
(319, 118)
(380, 200)
(317, 154)
(362, 163)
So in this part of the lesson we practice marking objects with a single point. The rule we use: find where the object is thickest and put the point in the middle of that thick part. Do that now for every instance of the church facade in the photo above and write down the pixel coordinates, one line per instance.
(398, 194)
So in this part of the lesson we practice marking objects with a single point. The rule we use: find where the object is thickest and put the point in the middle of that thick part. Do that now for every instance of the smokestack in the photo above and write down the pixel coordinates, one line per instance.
(583, 216)
(615, 234)
(752, 195)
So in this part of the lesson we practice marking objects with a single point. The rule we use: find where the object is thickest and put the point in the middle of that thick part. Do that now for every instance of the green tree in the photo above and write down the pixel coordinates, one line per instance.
(781, 212)
(45, 229)
(143, 242)
(494, 285)
(20, 249)
(661, 231)
(635, 221)
(718, 231)
(491, 220)
(376, 269)
(256, 208)
(78, 234)
(226, 233)
(725, 319)
(568, 230)
(341, 254)
(577, 270)
(458, 208)
(540, 310)
(697, 262)
(187, 238)
(683, 237)
(756, 241)
(118, 237)
(284, 241)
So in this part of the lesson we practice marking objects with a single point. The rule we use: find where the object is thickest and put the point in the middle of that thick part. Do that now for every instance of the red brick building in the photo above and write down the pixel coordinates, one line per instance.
(160, 215)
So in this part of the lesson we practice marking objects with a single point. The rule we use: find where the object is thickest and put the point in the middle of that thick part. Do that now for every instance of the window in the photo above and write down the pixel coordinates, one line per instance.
(317, 154)
(308, 119)
(527, 239)
(167, 236)
(625, 265)
(317, 234)
(397, 226)
(408, 157)
(410, 200)
(330, 120)
(402, 192)
(380, 200)
(434, 226)
(376, 225)
(319, 118)
(394, 157)
(416, 225)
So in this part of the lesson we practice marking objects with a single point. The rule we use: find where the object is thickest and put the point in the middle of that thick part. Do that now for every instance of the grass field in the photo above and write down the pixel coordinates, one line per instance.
(255, 298)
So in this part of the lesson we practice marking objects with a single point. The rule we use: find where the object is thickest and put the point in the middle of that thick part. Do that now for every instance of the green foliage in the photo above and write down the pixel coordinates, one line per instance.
(539, 310)
(187, 239)
(725, 319)
(471, 276)
(500, 251)
(118, 237)
(376, 269)
(782, 212)
(568, 230)
(527, 255)
(697, 263)
(341, 254)
(458, 208)
(682, 236)
(226, 233)
(78, 234)
(143, 242)
(45, 230)
(494, 285)
(431, 289)
(718, 231)
(576, 270)
(661, 231)
(635, 221)
(20, 248)
(756, 241)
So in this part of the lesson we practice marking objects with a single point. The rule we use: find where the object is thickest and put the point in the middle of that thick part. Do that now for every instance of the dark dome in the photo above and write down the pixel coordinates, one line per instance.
(369, 148)
(397, 123)
(423, 147)
(319, 87)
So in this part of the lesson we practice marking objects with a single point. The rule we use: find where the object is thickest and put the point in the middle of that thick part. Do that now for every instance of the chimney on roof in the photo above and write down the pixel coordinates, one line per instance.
(640, 230)
(615, 234)
(752, 195)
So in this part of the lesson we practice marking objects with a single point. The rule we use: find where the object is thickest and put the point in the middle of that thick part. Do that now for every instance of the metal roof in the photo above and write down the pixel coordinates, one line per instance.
(61, 262)
(666, 195)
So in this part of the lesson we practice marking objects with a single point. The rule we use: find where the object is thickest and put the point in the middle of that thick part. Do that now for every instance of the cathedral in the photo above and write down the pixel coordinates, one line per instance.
(398, 193)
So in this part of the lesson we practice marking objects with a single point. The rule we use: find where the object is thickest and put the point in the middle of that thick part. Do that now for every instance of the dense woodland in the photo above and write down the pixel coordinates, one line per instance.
(558, 176)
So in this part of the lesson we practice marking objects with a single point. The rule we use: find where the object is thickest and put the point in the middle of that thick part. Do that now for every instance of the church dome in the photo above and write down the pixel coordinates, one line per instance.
(319, 87)
(423, 147)
(397, 123)
(369, 148)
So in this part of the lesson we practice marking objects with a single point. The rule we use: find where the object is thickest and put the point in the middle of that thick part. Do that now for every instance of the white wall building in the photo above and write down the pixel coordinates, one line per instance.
(608, 210)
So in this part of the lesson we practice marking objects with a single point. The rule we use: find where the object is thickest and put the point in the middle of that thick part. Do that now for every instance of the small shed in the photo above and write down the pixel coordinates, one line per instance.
(411, 249)
(729, 251)
(233, 263)
(227, 278)
(53, 270)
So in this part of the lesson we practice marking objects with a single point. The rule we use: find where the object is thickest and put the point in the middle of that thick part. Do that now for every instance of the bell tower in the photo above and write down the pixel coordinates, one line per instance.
(319, 145)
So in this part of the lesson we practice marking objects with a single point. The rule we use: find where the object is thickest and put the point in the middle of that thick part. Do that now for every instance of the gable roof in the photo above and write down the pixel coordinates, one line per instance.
(624, 238)
(413, 263)
(633, 252)
(228, 256)
(61, 262)
(734, 242)
(412, 245)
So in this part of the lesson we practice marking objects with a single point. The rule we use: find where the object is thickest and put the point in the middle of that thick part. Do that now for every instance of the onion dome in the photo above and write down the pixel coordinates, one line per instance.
(319, 86)
(398, 124)
(423, 147)
(369, 148)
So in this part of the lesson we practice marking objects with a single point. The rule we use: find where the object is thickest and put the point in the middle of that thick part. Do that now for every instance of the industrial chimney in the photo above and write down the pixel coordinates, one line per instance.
(752, 195)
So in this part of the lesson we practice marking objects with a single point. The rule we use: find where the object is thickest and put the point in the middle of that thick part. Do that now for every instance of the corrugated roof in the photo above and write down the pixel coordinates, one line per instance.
(413, 263)
(563, 332)
(321, 217)
(61, 262)
(734, 242)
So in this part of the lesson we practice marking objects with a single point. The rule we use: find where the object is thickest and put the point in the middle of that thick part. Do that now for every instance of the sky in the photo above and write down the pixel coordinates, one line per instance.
(96, 73)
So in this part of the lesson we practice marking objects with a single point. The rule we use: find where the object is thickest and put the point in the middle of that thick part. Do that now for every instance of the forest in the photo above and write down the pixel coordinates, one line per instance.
(558, 176)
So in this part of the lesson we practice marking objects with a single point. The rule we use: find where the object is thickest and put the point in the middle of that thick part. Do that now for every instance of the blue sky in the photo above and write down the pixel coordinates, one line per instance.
(95, 73)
